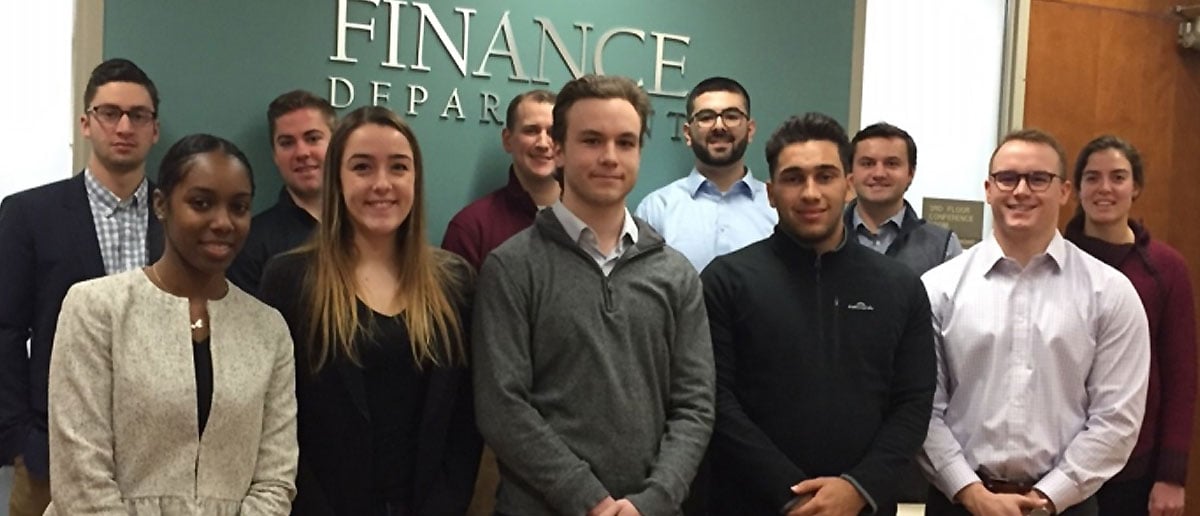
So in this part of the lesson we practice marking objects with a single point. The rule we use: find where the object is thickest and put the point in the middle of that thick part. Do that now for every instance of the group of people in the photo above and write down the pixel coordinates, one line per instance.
(739, 346)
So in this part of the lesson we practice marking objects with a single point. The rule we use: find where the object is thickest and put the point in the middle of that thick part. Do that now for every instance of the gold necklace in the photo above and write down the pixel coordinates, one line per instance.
(198, 324)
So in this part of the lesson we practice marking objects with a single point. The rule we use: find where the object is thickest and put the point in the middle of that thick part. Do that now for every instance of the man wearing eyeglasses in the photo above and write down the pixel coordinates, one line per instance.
(51, 237)
(885, 161)
(719, 207)
(1043, 355)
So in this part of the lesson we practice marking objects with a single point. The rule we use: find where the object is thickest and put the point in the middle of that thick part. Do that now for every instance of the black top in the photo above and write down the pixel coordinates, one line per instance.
(202, 356)
(395, 390)
(280, 228)
(335, 419)
(825, 367)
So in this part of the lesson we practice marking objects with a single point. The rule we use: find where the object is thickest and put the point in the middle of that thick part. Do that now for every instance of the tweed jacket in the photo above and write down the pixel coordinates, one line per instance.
(123, 417)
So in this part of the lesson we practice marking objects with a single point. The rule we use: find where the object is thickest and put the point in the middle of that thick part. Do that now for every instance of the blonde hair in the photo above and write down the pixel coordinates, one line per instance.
(431, 280)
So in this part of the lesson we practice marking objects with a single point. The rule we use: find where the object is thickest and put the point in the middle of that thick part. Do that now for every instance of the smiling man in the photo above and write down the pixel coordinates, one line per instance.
(300, 124)
(592, 364)
(719, 207)
(1044, 354)
(825, 357)
(885, 161)
(96, 223)
(823, 348)
(490, 220)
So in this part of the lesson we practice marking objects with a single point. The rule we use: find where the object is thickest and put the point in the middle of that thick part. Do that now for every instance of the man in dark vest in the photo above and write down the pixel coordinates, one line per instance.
(885, 160)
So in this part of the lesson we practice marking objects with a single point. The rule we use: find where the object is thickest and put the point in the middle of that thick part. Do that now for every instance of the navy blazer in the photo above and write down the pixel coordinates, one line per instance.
(47, 243)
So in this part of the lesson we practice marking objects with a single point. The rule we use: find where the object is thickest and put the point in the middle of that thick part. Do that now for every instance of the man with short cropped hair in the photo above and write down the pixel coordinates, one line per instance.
(719, 207)
(591, 358)
(1043, 355)
(300, 124)
(53, 236)
(490, 220)
(885, 161)
(824, 351)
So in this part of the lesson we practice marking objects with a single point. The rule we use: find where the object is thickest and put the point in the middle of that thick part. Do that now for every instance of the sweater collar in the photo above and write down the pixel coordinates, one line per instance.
(1107, 252)
(795, 251)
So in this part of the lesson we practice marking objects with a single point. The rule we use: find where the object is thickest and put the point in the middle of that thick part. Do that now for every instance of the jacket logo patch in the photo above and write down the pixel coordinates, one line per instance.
(861, 306)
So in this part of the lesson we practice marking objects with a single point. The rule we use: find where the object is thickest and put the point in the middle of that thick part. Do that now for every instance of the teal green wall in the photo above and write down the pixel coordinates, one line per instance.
(218, 63)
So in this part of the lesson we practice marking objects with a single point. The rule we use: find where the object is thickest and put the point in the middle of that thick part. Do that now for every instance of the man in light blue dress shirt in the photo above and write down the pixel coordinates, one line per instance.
(719, 207)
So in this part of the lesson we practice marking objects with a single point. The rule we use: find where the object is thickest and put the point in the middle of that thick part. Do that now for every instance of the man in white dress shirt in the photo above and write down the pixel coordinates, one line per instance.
(1043, 355)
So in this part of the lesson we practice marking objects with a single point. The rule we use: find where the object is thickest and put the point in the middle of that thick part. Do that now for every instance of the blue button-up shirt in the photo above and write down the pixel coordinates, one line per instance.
(703, 223)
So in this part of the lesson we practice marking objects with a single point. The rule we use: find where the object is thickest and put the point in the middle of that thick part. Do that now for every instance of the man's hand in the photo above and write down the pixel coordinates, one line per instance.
(606, 507)
(981, 502)
(626, 508)
(1166, 499)
(831, 496)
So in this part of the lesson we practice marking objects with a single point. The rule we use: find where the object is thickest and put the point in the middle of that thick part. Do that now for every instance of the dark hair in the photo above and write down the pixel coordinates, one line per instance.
(1034, 136)
(886, 130)
(1105, 142)
(808, 127)
(598, 87)
(296, 100)
(118, 70)
(543, 96)
(178, 159)
(716, 84)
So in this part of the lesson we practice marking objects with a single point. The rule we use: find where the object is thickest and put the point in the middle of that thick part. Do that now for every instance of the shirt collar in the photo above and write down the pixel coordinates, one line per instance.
(857, 221)
(575, 226)
(992, 254)
(102, 195)
(695, 182)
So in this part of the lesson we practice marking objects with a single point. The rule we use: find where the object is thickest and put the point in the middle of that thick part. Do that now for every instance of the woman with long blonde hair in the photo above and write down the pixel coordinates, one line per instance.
(377, 314)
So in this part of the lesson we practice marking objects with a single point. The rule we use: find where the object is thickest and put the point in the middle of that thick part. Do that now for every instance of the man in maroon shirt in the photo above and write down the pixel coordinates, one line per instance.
(489, 221)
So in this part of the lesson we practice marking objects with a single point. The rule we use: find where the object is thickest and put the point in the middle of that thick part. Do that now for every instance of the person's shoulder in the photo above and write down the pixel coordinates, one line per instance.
(110, 289)
(520, 245)
(291, 263)
(749, 258)
(663, 197)
(478, 211)
(1165, 257)
(38, 195)
(950, 270)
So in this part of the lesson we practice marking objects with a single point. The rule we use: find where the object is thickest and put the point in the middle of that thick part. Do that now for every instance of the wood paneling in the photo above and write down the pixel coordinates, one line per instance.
(1112, 66)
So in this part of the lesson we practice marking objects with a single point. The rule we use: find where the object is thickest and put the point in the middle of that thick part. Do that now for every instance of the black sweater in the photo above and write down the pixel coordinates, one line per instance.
(825, 367)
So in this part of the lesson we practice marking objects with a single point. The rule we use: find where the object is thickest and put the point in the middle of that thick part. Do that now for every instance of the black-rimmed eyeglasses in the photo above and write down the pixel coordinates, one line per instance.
(111, 115)
(1007, 180)
(732, 117)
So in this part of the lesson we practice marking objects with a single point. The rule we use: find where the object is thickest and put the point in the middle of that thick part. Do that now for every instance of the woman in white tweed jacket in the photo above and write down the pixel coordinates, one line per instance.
(172, 391)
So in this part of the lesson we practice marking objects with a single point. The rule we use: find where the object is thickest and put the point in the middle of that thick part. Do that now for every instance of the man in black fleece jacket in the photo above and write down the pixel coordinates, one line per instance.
(824, 349)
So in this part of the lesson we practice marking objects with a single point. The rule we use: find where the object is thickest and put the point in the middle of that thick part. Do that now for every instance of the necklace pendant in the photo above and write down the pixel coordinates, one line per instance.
(198, 325)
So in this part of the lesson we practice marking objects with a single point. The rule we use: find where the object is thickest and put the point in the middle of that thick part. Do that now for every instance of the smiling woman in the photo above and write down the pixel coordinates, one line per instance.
(170, 374)
(377, 315)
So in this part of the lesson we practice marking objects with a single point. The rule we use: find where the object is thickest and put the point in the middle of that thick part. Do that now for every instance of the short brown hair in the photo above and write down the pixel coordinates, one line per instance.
(1034, 136)
(295, 100)
(598, 87)
(543, 96)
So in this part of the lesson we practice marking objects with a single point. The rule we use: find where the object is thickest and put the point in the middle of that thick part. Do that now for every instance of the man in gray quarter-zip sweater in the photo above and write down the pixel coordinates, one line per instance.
(592, 359)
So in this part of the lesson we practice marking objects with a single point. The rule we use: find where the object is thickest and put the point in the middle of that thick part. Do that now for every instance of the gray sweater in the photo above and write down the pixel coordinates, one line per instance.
(588, 386)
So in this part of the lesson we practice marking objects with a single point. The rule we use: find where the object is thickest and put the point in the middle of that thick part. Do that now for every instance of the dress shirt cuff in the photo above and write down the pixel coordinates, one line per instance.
(1060, 489)
(954, 477)
(863, 493)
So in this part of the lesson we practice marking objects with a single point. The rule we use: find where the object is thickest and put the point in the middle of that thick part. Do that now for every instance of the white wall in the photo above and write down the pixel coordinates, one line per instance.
(37, 93)
(933, 68)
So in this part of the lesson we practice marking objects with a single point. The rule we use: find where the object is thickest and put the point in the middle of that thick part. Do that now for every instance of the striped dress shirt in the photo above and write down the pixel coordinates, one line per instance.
(1042, 371)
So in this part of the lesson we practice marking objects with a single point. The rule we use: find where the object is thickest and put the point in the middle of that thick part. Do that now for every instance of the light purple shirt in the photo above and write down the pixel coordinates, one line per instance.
(1042, 371)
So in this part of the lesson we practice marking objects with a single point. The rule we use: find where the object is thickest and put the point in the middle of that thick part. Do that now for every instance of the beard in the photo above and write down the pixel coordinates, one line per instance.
(736, 151)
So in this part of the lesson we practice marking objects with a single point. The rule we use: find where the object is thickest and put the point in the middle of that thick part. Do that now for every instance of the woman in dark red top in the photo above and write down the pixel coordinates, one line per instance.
(1108, 177)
